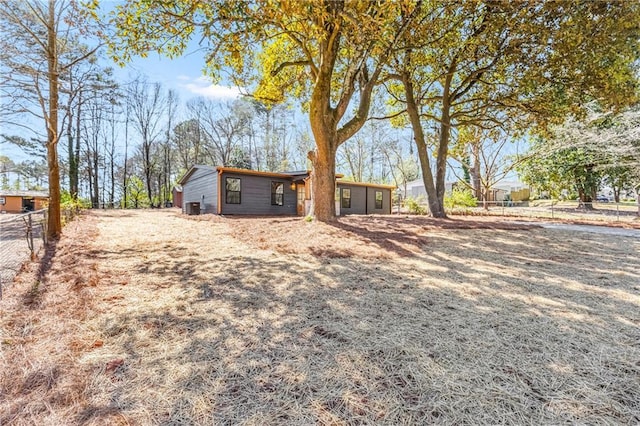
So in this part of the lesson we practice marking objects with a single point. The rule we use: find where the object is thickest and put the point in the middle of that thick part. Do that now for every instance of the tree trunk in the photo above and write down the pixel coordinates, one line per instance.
(323, 159)
(75, 189)
(147, 169)
(54, 223)
(476, 179)
(96, 189)
(124, 164)
(112, 171)
(585, 202)
(324, 185)
(435, 188)
(70, 151)
(441, 159)
(421, 145)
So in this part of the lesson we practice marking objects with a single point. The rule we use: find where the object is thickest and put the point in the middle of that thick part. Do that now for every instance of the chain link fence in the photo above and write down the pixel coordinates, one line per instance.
(605, 212)
(567, 210)
(21, 238)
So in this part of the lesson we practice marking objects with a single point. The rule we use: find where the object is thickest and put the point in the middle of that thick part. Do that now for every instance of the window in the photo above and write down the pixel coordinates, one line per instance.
(346, 198)
(232, 187)
(379, 200)
(277, 193)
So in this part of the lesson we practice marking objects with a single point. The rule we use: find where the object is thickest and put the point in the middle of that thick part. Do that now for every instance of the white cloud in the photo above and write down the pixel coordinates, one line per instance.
(202, 86)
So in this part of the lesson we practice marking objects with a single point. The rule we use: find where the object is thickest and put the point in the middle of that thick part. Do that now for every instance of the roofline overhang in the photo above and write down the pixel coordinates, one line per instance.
(370, 185)
(222, 169)
(191, 170)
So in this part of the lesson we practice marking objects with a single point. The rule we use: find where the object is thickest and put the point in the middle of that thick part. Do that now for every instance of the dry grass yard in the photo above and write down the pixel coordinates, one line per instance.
(151, 317)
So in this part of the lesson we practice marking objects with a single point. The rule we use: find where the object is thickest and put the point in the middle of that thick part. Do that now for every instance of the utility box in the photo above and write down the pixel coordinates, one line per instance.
(193, 208)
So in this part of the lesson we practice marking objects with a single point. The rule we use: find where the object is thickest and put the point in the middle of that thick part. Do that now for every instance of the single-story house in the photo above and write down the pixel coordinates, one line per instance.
(22, 201)
(228, 190)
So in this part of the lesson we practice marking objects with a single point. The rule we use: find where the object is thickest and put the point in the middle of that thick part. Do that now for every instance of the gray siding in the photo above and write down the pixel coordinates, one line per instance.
(358, 199)
(255, 196)
(363, 200)
(203, 181)
(371, 201)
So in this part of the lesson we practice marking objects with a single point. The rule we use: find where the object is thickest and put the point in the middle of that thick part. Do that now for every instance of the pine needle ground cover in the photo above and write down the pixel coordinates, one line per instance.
(152, 317)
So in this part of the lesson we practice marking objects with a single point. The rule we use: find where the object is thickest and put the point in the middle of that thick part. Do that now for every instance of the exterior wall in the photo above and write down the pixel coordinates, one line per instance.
(371, 201)
(40, 203)
(521, 195)
(177, 198)
(203, 181)
(255, 196)
(12, 204)
(358, 199)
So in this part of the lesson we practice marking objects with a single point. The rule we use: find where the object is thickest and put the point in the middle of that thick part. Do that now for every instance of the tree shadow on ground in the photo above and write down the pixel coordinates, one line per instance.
(45, 262)
(474, 326)
(500, 324)
(361, 236)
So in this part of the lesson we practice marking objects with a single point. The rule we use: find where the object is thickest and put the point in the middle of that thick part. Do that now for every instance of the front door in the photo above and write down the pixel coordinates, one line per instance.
(301, 197)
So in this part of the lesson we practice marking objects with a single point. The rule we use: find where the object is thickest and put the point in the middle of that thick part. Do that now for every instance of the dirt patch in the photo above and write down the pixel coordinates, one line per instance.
(149, 317)
(376, 237)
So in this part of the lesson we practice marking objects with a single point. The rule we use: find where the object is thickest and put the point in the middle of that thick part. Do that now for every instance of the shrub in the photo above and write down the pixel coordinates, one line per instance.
(415, 205)
(460, 197)
(69, 207)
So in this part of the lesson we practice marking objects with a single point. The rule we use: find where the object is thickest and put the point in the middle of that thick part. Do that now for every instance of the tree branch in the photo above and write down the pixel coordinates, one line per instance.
(289, 64)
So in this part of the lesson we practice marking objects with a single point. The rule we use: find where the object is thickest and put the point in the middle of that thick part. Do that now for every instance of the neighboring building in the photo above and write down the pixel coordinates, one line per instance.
(227, 190)
(503, 190)
(177, 196)
(510, 190)
(22, 201)
(415, 189)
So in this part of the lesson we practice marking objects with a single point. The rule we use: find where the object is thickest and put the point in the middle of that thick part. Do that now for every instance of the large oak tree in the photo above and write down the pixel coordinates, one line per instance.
(330, 53)
(509, 64)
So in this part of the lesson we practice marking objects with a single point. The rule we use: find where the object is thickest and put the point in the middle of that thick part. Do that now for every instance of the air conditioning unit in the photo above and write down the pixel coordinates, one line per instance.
(193, 208)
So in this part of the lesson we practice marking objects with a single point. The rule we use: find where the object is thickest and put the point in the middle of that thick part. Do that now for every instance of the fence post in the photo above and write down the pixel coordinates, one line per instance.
(45, 224)
(30, 236)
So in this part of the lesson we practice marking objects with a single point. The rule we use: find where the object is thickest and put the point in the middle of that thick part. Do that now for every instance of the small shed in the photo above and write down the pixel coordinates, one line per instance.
(177, 196)
(22, 201)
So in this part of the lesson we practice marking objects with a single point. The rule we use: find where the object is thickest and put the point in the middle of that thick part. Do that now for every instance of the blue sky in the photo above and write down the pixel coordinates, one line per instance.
(183, 74)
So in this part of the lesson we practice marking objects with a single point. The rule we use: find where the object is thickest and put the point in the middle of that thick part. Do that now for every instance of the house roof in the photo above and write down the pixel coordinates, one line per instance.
(36, 194)
(283, 175)
(192, 170)
(370, 185)
(510, 185)
(297, 172)
(294, 175)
